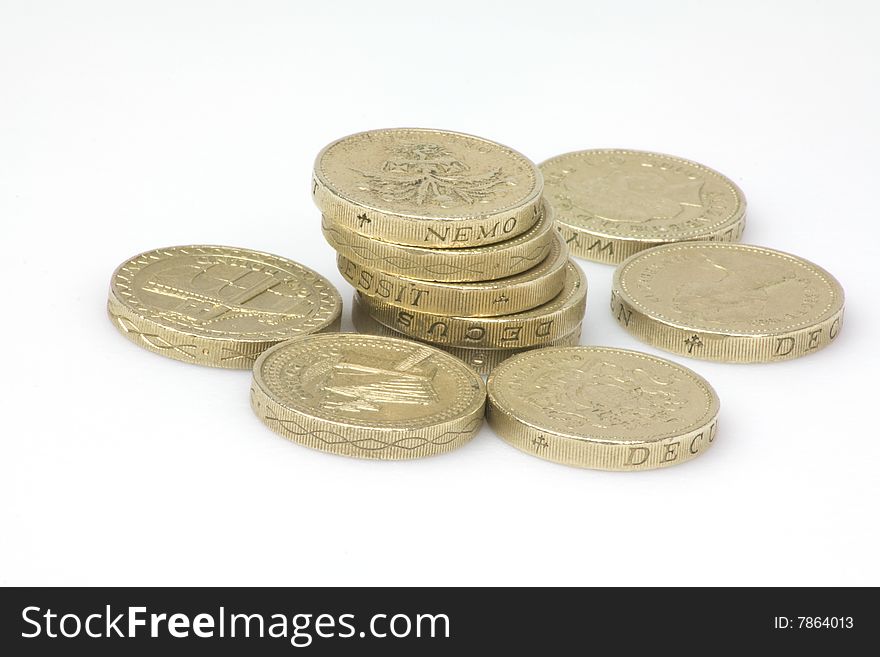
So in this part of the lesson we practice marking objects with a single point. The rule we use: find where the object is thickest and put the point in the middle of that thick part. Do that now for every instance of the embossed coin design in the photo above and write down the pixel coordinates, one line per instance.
(479, 263)
(367, 396)
(429, 188)
(218, 305)
(611, 204)
(602, 408)
(727, 302)
(482, 359)
(502, 296)
(540, 326)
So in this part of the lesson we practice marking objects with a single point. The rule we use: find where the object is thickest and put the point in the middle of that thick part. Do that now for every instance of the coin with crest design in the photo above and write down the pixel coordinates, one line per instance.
(612, 203)
(431, 188)
(367, 396)
(602, 408)
(727, 302)
(218, 305)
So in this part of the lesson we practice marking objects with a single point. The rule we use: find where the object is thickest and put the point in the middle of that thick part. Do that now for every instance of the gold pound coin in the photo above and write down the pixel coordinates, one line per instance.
(602, 408)
(483, 360)
(430, 188)
(611, 204)
(367, 396)
(218, 305)
(727, 302)
(502, 296)
(542, 325)
(479, 263)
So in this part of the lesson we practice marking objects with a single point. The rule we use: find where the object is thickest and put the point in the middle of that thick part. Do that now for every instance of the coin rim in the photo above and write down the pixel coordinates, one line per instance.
(537, 239)
(569, 313)
(534, 284)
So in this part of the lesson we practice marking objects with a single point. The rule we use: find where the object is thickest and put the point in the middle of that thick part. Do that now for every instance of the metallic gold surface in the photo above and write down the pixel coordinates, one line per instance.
(539, 326)
(602, 408)
(611, 204)
(503, 296)
(483, 360)
(367, 396)
(479, 263)
(431, 188)
(218, 305)
(727, 302)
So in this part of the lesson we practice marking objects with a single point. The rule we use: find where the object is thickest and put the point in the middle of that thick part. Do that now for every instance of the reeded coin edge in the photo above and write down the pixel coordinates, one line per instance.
(482, 359)
(500, 332)
(600, 456)
(504, 296)
(212, 351)
(721, 347)
(472, 264)
(612, 250)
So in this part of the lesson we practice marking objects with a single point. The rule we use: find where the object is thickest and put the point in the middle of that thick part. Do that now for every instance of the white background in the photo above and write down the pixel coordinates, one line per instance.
(126, 126)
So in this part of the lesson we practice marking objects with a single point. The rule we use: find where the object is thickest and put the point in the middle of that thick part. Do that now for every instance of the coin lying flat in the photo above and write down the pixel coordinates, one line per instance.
(430, 188)
(502, 296)
(602, 408)
(483, 360)
(539, 326)
(479, 263)
(611, 204)
(218, 305)
(727, 302)
(367, 396)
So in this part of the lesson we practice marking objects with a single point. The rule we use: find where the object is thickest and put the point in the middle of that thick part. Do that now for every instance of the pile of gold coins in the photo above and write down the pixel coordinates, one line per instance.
(458, 249)
(447, 239)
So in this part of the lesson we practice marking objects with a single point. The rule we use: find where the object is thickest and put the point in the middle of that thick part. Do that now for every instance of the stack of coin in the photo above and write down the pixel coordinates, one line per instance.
(447, 240)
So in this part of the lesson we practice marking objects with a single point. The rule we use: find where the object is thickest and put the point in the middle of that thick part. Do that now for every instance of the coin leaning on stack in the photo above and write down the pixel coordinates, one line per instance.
(446, 239)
